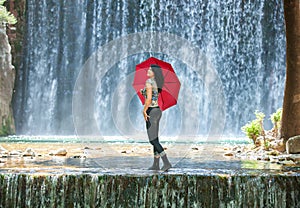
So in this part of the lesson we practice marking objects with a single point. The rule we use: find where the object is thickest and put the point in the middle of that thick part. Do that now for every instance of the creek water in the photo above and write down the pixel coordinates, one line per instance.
(114, 174)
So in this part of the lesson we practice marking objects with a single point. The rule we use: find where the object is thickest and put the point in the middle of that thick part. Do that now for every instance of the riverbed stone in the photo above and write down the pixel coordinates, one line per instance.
(293, 145)
(229, 154)
(59, 152)
(28, 153)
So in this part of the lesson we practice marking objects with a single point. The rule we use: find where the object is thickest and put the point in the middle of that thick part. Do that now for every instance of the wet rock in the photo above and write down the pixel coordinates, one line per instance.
(274, 160)
(281, 158)
(195, 148)
(79, 156)
(124, 151)
(295, 158)
(229, 154)
(28, 153)
(293, 145)
(273, 152)
(287, 162)
(59, 152)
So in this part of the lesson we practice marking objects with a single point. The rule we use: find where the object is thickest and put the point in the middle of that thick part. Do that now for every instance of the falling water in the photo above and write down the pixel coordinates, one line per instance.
(243, 41)
(108, 190)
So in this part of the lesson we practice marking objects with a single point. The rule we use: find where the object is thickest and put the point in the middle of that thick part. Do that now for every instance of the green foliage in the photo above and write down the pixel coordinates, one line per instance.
(266, 145)
(6, 16)
(276, 117)
(254, 128)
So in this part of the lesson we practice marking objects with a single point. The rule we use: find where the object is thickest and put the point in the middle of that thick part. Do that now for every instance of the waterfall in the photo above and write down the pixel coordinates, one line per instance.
(109, 190)
(242, 45)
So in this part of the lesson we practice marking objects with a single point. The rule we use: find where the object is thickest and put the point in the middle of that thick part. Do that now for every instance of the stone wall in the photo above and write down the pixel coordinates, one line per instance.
(11, 50)
(16, 32)
(7, 79)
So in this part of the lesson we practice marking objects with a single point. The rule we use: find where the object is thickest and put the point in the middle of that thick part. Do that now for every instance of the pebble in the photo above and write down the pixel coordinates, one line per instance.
(295, 158)
(28, 153)
(59, 152)
(79, 156)
(230, 154)
(286, 162)
(273, 152)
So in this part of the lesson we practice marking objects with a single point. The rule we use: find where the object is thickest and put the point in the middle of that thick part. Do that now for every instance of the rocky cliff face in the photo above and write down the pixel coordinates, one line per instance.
(7, 78)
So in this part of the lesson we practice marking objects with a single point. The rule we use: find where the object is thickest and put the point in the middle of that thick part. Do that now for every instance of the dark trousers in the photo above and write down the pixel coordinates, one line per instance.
(152, 128)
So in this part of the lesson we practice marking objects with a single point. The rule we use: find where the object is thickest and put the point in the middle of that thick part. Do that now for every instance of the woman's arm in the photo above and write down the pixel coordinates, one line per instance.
(148, 100)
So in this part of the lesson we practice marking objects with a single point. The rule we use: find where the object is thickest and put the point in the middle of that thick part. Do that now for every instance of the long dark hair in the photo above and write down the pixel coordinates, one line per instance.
(158, 76)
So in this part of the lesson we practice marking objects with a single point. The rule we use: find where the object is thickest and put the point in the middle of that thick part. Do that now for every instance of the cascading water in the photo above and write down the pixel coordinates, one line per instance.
(195, 190)
(243, 41)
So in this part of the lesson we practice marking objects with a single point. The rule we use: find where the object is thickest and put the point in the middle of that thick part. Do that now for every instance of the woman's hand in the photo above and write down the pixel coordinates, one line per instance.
(147, 101)
(145, 115)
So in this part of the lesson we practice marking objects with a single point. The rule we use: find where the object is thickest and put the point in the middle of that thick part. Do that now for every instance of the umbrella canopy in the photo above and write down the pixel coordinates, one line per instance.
(170, 90)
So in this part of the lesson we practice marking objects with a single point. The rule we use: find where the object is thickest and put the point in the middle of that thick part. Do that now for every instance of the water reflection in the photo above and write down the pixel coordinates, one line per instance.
(129, 158)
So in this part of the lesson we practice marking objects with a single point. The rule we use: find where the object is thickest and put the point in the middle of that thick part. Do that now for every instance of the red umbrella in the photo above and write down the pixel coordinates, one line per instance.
(169, 94)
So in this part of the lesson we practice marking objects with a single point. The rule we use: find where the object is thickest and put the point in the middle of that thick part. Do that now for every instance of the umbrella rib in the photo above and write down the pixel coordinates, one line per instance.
(168, 90)
(171, 82)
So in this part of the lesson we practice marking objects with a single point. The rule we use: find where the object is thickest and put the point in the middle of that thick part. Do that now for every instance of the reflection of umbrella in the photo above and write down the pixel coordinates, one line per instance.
(169, 94)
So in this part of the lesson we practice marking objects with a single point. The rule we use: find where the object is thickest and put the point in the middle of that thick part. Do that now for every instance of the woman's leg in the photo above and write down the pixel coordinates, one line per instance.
(153, 127)
(157, 146)
(152, 131)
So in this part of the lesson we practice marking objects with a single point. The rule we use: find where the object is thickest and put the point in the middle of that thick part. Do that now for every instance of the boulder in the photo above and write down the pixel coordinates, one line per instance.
(277, 145)
(293, 145)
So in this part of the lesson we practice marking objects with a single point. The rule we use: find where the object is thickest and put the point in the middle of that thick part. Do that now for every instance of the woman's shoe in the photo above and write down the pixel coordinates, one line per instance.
(155, 165)
(167, 164)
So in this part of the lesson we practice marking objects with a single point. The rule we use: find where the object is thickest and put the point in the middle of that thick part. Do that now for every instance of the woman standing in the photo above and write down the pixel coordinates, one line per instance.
(152, 114)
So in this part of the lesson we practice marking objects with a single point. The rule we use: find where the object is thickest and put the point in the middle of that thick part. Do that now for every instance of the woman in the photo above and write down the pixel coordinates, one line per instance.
(152, 114)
